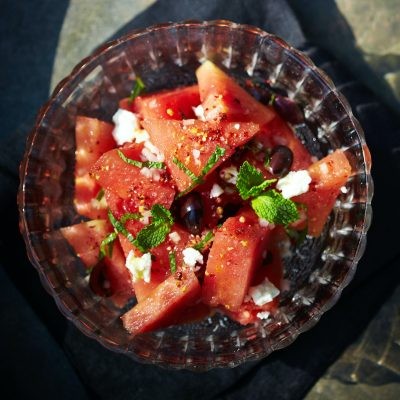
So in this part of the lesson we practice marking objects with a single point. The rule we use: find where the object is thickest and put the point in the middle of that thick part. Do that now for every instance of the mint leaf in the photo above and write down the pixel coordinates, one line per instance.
(106, 246)
(141, 164)
(203, 242)
(100, 194)
(250, 181)
(129, 216)
(273, 207)
(187, 190)
(156, 232)
(151, 236)
(161, 215)
(185, 169)
(215, 156)
(172, 262)
(138, 88)
(120, 228)
(267, 159)
(153, 164)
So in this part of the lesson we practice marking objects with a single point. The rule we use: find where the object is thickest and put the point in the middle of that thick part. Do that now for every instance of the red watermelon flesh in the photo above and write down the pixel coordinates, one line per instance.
(164, 305)
(234, 256)
(272, 269)
(181, 141)
(126, 180)
(328, 176)
(223, 99)
(172, 104)
(85, 239)
(93, 137)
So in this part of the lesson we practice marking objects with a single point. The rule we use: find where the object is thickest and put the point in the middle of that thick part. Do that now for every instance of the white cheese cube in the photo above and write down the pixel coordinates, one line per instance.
(263, 293)
(139, 267)
(294, 183)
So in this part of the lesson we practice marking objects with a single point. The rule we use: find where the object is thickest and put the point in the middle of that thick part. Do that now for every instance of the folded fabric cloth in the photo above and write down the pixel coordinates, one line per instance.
(38, 341)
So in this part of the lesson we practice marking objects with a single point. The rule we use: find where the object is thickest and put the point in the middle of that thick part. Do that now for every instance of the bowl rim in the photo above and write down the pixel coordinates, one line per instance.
(86, 64)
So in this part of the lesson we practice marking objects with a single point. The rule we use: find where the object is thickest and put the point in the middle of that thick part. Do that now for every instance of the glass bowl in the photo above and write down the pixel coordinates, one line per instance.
(166, 56)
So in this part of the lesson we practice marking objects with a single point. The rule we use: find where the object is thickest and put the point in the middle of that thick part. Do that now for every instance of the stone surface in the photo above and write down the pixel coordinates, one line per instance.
(376, 28)
(363, 35)
(369, 368)
(87, 24)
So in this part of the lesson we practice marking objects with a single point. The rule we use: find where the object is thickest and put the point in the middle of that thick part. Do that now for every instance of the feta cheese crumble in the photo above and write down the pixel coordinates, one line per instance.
(294, 183)
(151, 173)
(229, 174)
(263, 293)
(196, 155)
(139, 267)
(146, 214)
(263, 315)
(216, 191)
(199, 112)
(127, 128)
(192, 256)
(175, 237)
(151, 152)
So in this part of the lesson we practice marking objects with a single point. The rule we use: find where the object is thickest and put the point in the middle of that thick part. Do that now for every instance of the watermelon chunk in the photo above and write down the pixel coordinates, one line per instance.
(86, 202)
(272, 269)
(110, 277)
(181, 141)
(223, 99)
(328, 176)
(171, 104)
(236, 252)
(160, 268)
(85, 239)
(164, 305)
(127, 181)
(93, 138)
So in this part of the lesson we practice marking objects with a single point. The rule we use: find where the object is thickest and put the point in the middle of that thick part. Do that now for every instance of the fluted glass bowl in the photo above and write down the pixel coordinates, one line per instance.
(166, 56)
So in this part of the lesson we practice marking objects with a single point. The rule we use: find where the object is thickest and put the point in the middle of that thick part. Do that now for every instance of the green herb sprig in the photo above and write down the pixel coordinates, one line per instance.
(269, 205)
(250, 181)
(203, 242)
(141, 164)
(186, 170)
(129, 216)
(119, 227)
(100, 194)
(150, 236)
(214, 158)
(107, 245)
(137, 89)
(172, 262)
(273, 207)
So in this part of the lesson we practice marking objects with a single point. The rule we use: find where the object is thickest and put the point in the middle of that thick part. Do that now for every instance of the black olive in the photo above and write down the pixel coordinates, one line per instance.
(230, 210)
(268, 258)
(98, 280)
(281, 160)
(288, 110)
(191, 213)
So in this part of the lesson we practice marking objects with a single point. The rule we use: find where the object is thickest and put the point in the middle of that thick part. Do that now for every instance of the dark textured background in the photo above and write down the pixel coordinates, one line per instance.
(43, 355)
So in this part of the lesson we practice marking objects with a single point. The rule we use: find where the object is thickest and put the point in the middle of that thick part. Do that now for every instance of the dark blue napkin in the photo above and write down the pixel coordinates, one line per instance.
(37, 342)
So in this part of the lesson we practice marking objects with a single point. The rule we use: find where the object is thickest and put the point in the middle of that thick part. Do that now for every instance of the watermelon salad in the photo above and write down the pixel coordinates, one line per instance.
(191, 197)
